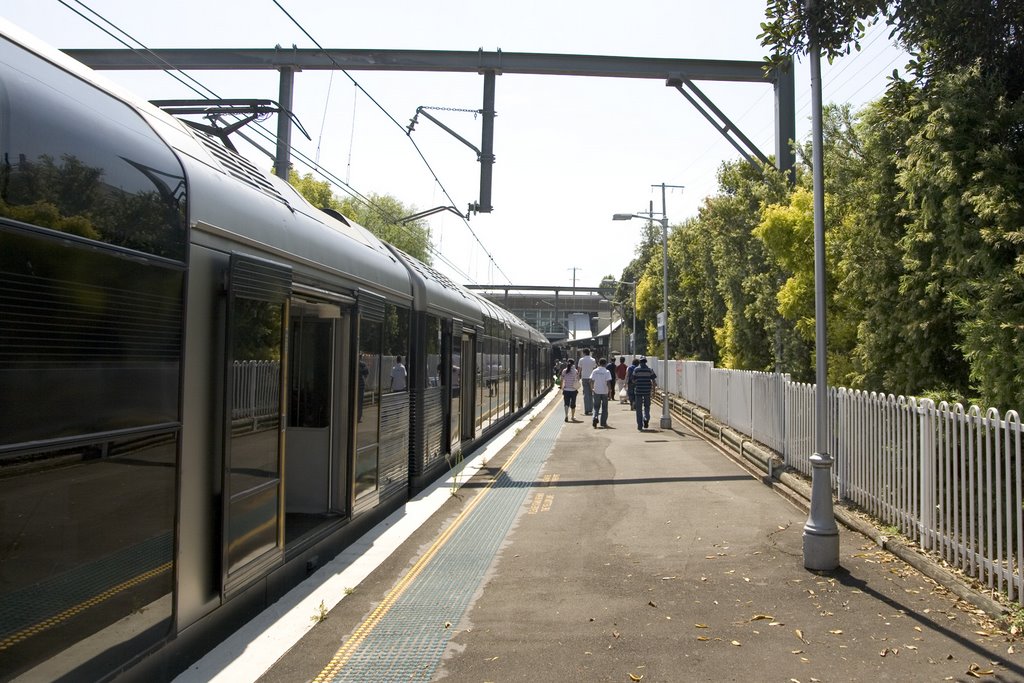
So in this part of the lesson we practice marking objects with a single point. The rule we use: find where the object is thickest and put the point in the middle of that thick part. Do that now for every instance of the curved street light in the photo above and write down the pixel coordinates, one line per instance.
(666, 417)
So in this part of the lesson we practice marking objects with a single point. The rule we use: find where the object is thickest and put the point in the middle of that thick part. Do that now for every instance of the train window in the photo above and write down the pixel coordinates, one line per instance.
(368, 402)
(91, 340)
(434, 399)
(396, 347)
(397, 372)
(310, 371)
(254, 450)
(88, 538)
(258, 298)
(78, 161)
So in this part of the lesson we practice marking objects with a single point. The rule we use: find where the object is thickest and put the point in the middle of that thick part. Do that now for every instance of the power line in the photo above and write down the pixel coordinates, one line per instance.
(204, 91)
(400, 126)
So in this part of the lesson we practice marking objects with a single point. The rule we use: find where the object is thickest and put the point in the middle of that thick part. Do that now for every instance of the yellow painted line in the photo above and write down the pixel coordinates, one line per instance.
(56, 619)
(342, 656)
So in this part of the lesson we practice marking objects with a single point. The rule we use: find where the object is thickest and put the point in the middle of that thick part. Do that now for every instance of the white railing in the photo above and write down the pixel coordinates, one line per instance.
(946, 477)
(257, 389)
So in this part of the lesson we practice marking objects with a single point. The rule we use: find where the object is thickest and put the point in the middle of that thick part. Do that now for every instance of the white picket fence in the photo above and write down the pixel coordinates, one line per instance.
(256, 389)
(947, 477)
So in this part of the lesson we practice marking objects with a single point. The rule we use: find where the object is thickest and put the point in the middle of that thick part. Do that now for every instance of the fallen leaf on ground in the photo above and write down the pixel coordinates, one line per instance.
(978, 672)
(703, 638)
(736, 643)
(800, 635)
(758, 617)
(634, 677)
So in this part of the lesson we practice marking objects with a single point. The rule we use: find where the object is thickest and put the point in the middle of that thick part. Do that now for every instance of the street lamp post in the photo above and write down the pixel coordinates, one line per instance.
(666, 417)
(821, 535)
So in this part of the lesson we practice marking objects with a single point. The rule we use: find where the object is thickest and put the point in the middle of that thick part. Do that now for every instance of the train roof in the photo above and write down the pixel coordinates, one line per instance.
(436, 293)
(231, 198)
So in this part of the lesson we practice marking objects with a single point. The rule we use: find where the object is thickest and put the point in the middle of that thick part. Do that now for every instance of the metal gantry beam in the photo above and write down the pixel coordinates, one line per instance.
(230, 59)
(289, 60)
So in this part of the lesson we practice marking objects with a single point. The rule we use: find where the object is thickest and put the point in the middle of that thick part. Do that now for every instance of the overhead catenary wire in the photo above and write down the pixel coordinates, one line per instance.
(204, 91)
(400, 126)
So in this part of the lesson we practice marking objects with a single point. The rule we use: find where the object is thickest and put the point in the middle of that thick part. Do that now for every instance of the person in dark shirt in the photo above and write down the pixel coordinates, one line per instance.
(644, 381)
(629, 383)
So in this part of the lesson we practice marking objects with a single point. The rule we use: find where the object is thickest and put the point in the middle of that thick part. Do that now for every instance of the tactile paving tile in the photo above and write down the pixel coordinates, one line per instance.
(41, 605)
(407, 643)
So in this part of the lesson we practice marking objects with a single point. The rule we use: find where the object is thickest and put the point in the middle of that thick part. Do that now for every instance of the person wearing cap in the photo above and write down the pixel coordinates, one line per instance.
(644, 383)
(570, 380)
(586, 364)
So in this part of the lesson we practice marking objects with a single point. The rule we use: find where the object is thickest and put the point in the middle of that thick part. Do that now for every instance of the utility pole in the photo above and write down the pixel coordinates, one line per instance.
(574, 269)
(571, 317)
(666, 416)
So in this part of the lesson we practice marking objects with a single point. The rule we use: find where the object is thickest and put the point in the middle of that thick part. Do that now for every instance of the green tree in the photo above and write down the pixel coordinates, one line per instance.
(646, 250)
(381, 217)
(696, 307)
(931, 245)
(317, 192)
(379, 214)
(751, 334)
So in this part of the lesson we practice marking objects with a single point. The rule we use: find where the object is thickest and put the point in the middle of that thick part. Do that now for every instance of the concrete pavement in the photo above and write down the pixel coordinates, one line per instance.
(653, 557)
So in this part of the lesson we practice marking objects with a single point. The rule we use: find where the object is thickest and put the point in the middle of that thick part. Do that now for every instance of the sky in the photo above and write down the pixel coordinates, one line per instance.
(569, 151)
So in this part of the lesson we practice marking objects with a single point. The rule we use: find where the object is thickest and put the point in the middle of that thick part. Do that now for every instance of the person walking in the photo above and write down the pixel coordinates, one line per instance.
(570, 381)
(644, 382)
(399, 375)
(629, 383)
(586, 366)
(620, 379)
(602, 386)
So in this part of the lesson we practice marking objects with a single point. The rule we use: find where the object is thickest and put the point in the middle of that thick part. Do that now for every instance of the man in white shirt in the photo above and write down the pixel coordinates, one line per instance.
(398, 375)
(586, 365)
(602, 382)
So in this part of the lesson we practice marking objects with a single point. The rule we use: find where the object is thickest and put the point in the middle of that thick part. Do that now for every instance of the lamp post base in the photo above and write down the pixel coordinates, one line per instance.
(821, 552)
(821, 535)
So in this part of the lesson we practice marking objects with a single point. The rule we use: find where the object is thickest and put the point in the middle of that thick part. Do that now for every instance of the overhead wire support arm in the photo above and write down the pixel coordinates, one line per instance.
(724, 126)
(431, 212)
(467, 143)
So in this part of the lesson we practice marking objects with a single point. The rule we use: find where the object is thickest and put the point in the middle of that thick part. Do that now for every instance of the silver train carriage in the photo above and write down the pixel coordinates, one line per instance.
(208, 387)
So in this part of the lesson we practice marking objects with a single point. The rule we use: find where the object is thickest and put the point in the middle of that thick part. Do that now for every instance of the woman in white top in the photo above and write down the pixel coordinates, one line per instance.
(570, 384)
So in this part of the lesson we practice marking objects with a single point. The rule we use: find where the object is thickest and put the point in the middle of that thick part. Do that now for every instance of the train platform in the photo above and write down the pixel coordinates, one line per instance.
(565, 552)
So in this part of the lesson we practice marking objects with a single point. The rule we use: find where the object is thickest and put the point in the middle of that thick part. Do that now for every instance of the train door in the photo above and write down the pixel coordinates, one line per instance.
(368, 395)
(253, 536)
(454, 351)
(315, 467)
(467, 374)
(520, 375)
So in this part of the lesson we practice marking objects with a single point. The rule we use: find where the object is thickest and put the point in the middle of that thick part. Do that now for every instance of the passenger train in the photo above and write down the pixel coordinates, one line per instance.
(208, 387)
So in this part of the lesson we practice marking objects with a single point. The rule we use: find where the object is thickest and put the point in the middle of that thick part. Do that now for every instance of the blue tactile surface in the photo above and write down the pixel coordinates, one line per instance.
(409, 640)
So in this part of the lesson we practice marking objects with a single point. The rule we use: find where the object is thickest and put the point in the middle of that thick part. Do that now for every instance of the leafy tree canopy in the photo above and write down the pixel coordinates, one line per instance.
(380, 214)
